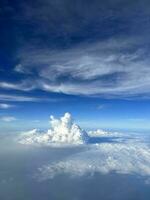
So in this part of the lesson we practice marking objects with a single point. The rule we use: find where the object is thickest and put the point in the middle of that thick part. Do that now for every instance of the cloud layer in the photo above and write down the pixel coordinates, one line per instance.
(102, 152)
(124, 158)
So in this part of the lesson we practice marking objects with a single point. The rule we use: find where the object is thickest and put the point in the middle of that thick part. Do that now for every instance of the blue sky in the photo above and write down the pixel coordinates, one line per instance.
(90, 58)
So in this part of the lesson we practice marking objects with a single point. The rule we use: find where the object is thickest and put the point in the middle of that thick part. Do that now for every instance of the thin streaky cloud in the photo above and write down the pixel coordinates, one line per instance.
(19, 98)
(5, 106)
(23, 86)
(101, 106)
(107, 68)
(8, 118)
(6, 97)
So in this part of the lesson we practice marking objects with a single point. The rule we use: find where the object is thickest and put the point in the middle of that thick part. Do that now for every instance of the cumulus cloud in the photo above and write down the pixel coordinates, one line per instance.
(8, 118)
(63, 130)
(124, 154)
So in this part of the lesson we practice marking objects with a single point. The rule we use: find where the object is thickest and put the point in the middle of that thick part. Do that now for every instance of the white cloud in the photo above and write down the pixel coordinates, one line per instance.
(63, 131)
(118, 153)
(125, 158)
(5, 106)
(23, 86)
(100, 132)
(107, 68)
(8, 118)
(19, 98)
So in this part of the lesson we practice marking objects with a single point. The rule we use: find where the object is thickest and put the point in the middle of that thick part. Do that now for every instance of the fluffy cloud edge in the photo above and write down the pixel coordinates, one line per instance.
(63, 131)
(123, 156)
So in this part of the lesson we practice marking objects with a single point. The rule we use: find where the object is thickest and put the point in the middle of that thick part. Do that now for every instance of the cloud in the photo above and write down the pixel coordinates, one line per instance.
(107, 68)
(6, 97)
(113, 152)
(19, 98)
(8, 118)
(63, 131)
(123, 158)
(19, 68)
(5, 106)
(101, 133)
(97, 53)
(99, 107)
(23, 86)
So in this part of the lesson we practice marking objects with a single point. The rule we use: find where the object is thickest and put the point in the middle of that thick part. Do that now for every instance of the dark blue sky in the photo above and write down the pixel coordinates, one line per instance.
(90, 58)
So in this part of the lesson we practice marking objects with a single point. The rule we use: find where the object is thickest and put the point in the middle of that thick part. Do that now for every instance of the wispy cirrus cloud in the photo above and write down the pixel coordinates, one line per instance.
(102, 52)
(101, 106)
(25, 98)
(108, 68)
(6, 97)
(23, 85)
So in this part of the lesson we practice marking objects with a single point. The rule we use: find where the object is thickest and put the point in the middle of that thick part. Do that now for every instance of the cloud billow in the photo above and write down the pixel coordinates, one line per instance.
(111, 152)
(128, 158)
(63, 131)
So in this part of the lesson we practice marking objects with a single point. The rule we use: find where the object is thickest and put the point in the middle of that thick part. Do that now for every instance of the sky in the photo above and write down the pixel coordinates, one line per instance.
(89, 58)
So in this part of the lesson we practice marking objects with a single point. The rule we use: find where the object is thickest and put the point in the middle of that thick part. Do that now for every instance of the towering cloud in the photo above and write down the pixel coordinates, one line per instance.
(63, 130)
